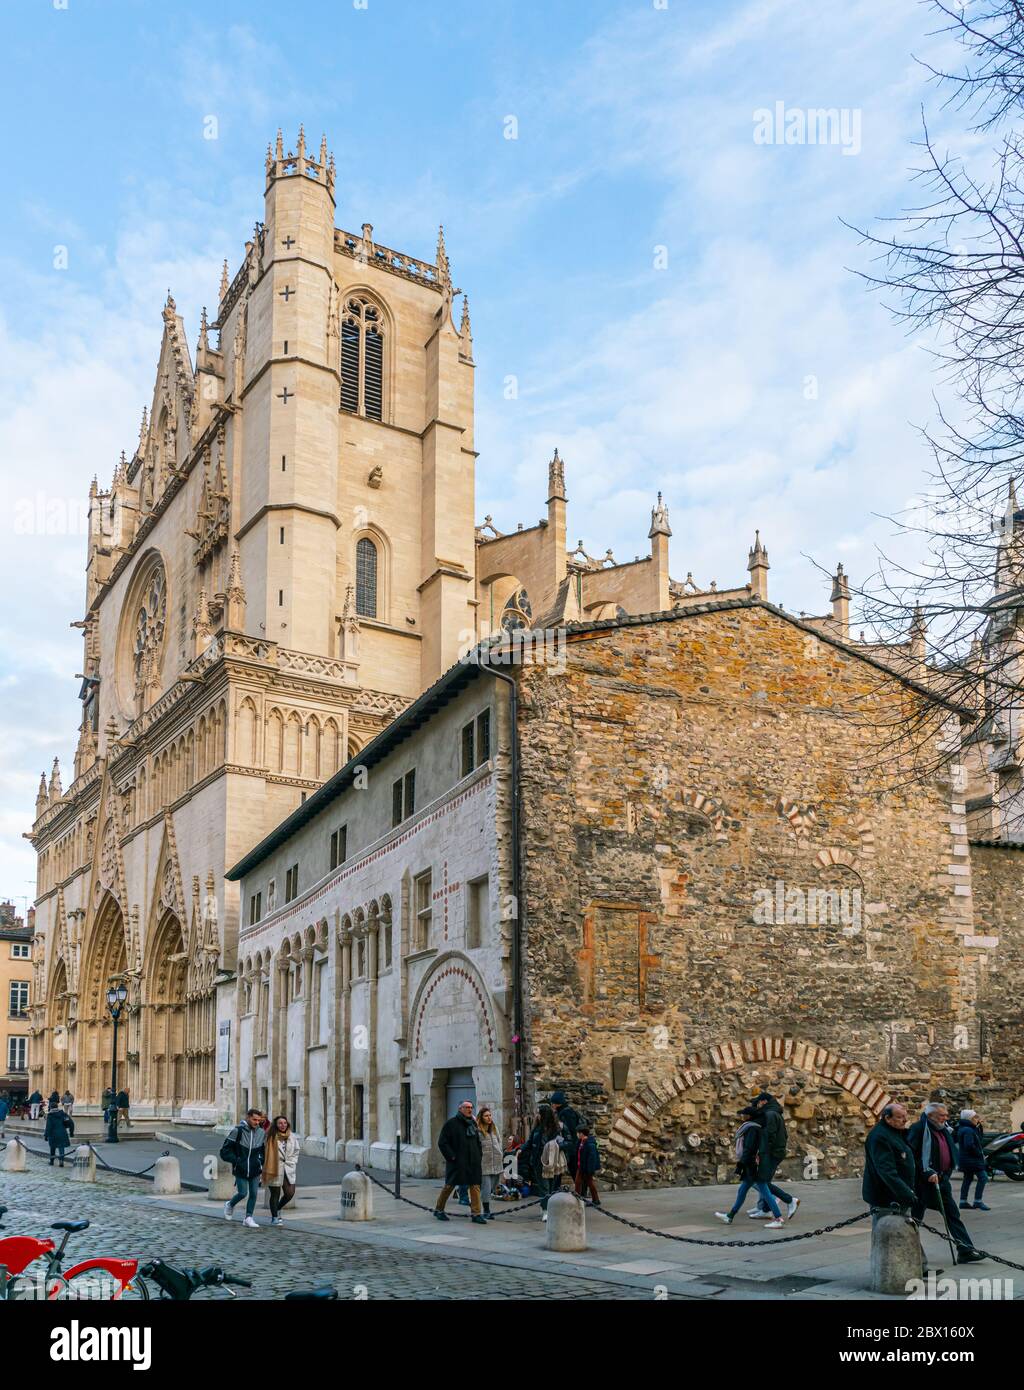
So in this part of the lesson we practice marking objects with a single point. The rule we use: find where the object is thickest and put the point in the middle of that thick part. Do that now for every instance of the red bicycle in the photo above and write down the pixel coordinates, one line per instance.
(100, 1279)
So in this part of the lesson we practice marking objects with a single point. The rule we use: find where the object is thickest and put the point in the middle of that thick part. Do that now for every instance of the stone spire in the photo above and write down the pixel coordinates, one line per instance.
(224, 281)
(42, 799)
(202, 627)
(659, 519)
(841, 600)
(918, 633)
(758, 567)
(465, 332)
(323, 151)
(55, 790)
(143, 428)
(556, 478)
(444, 273)
(279, 148)
(235, 595)
(203, 343)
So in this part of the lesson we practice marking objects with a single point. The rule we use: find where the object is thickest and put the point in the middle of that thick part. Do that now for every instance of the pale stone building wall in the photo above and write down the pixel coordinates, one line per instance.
(349, 993)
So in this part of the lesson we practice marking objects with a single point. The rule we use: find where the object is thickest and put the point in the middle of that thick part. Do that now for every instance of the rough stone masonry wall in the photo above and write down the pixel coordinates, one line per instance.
(998, 882)
(676, 768)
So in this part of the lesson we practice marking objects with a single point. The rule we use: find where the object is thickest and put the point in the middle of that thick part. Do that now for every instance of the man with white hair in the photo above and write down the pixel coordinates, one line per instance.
(934, 1148)
(970, 1143)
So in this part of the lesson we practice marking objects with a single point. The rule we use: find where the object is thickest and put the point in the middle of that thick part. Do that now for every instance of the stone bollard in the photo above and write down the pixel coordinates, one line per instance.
(222, 1185)
(356, 1197)
(567, 1223)
(15, 1157)
(166, 1177)
(895, 1254)
(83, 1164)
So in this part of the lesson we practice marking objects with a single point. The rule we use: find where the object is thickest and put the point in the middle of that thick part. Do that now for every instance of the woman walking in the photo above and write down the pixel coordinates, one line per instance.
(56, 1132)
(280, 1166)
(490, 1143)
(970, 1142)
(752, 1164)
(546, 1159)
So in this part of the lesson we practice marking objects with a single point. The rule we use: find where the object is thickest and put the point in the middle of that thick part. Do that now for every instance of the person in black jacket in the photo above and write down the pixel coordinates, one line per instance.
(244, 1149)
(752, 1165)
(775, 1142)
(935, 1155)
(970, 1141)
(569, 1119)
(459, 1142)
(889, 1166)
(56, 1132)
(588, 1162)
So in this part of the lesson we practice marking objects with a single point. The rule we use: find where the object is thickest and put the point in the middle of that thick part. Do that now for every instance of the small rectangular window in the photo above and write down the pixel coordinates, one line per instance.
(467, 750)
(357, 1112)
(282, 535)
(396, 803)
(410, 793)
(423, 890)
(291, 883)
(483, 737)
(255, 908)
(477, 912)
(280, 598)
(339, 846)
(406, 1112)
(284, 462)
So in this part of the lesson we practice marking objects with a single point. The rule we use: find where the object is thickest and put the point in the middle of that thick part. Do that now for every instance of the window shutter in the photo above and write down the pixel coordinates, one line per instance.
(373, 386)
(350, 336)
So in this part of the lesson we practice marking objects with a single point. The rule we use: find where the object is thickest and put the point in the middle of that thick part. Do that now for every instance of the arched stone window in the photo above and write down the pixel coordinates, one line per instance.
(362, 358)
(518, 611)
(366, 577)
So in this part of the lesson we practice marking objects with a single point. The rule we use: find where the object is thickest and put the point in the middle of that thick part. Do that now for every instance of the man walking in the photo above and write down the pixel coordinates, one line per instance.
(122, 1107)
(569, 1119)
(889, 1164)
(935, 1155)
(459, 1142)
(774, 1147)
(243, 1149)
(35, 1100)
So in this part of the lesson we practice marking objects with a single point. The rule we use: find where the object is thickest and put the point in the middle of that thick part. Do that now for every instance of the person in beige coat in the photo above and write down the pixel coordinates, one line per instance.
(280, 1166)
(493, 1152)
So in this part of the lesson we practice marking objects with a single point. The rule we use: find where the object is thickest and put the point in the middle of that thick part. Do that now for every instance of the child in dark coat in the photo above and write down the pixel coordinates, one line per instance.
(588, 1162)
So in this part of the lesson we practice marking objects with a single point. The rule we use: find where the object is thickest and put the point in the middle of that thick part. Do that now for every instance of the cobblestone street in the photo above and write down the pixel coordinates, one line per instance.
(276, 1261)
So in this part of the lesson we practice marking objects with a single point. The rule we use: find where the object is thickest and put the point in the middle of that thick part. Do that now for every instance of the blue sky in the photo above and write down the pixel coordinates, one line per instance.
(673, 297)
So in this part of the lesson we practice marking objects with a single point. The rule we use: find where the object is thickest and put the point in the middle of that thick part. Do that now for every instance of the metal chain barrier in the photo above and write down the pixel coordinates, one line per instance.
(121, 1172)
(987, 1254)
(459, 1215)
(697, 1240)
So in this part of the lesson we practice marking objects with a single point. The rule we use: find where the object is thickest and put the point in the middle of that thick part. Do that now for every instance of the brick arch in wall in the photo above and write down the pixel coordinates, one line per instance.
(637, 1118)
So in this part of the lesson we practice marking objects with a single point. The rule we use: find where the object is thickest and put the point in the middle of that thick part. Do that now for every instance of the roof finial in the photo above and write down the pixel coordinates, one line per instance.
(203, 329)
(279, 150)
(556, 478)
(224, 281)
(659, 520)
(443, 269)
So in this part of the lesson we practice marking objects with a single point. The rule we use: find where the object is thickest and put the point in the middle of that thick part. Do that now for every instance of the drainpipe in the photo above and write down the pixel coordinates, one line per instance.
(517, 931)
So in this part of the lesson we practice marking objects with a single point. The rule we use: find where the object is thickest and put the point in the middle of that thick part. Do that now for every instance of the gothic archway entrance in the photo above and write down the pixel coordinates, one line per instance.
(105, 958)
(162, 1062)
(61, 1071)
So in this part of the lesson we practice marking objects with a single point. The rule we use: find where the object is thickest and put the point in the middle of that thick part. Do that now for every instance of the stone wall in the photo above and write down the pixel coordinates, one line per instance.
(676, 779)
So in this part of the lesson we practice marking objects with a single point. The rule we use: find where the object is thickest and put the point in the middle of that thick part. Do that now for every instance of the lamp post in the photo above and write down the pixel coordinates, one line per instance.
(116, 996)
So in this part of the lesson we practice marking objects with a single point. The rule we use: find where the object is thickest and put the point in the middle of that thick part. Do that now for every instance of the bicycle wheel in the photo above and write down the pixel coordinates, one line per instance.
(100, 1286)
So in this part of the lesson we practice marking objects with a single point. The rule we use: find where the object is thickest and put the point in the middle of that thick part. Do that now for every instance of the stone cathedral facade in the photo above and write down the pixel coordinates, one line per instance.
(287, 559)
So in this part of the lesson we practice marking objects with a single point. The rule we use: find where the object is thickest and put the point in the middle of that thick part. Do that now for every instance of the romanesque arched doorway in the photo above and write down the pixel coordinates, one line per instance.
(162, 1060)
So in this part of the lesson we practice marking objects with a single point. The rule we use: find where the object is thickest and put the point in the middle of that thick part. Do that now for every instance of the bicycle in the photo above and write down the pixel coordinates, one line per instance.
(101, 1279)
(181, 1285)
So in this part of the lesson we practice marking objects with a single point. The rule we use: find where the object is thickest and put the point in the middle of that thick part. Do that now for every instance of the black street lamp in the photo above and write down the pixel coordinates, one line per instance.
(116, 996)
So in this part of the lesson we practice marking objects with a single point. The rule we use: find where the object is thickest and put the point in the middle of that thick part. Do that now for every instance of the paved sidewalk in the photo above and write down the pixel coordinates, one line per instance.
(830, 1266)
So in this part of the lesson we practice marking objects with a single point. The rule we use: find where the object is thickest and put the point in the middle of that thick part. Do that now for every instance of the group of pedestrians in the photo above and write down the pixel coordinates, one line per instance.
(559, 1145)
(760, 1146)
(262, 1153)
(36, 1103)
(910, 1167)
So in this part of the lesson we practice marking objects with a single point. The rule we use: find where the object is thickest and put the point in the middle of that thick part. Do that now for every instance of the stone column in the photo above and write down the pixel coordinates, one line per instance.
(373, 947)
(307, 1033)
